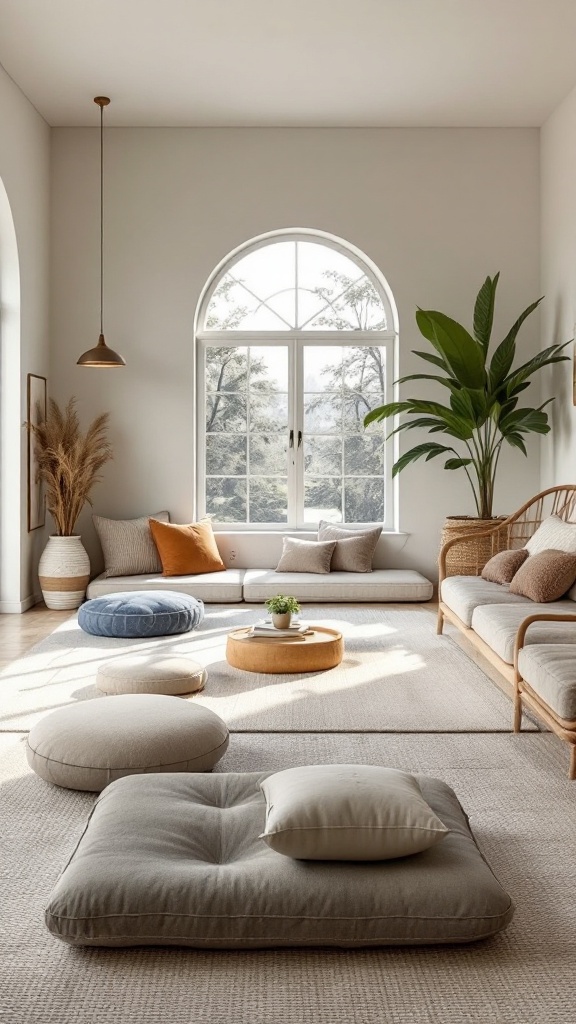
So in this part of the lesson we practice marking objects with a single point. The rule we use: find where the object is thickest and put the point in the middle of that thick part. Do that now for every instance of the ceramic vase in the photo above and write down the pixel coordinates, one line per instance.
(64, 572)
(281, 620)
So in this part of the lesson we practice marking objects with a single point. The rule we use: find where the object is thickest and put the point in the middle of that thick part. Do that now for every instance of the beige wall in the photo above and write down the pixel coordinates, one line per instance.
(437, 210)
(24, 252)
(558, 149)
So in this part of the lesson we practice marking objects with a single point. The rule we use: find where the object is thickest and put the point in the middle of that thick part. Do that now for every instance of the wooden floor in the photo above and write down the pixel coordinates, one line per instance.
(18, 633)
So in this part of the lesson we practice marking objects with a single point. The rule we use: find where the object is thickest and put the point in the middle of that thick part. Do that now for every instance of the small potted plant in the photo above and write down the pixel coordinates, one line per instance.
(282, 609)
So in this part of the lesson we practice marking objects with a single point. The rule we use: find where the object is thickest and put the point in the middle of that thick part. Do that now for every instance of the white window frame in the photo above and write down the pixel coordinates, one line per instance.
(295, 341)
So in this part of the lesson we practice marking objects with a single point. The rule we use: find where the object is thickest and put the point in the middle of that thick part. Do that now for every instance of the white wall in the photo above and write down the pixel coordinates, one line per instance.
(24, 249)
(558, 154)
(437, 210)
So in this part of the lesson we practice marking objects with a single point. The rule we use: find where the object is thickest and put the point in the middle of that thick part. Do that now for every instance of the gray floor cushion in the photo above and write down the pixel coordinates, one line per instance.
(91, 744)
(178, 860)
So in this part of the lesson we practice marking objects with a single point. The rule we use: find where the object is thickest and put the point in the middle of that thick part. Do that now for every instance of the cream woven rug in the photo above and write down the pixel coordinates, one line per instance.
(522, 809)
(397, 676)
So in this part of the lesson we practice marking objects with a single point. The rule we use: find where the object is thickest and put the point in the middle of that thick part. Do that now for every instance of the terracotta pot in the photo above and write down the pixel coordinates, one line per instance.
(281, 620)
(64, 572)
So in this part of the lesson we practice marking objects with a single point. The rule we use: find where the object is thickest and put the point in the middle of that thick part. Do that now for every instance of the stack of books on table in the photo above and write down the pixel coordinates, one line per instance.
(265, 628)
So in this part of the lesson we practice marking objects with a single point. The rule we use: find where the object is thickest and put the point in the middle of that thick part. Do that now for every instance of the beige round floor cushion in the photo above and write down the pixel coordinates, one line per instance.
(168, 674)
(88, 745)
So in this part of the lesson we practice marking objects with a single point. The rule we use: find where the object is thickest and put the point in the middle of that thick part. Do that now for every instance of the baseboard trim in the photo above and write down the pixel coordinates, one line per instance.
(17, 607)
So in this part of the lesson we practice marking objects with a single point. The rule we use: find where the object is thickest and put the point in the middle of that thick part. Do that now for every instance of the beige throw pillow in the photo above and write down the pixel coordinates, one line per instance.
(546, 576)
(553, 534)
(305, 555)
(502, 567)
(347, 812)
(127, 545)
(354, 548)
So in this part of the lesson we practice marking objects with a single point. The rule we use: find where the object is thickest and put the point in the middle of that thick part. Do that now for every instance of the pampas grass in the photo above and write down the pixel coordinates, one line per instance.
(68, 461)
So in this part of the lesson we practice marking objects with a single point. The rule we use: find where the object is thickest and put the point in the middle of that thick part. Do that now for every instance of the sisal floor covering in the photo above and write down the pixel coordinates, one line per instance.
(397, 676)
(522, 809)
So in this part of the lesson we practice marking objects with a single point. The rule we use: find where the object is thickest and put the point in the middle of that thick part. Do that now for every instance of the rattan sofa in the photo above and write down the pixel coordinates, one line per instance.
(533, 646)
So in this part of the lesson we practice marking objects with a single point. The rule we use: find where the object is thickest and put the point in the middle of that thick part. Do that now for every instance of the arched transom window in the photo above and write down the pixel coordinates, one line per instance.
(295, 345)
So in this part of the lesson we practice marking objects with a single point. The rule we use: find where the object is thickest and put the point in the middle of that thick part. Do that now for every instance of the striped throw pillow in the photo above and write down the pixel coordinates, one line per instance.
(127, 545)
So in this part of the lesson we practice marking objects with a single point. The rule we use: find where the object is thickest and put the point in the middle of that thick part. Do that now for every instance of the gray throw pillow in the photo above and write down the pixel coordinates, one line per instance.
(305, 555)
(127, 545)
(347, 812)
(354, 548)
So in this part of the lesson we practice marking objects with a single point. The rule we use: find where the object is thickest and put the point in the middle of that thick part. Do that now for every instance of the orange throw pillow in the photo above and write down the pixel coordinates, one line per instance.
(186, 550)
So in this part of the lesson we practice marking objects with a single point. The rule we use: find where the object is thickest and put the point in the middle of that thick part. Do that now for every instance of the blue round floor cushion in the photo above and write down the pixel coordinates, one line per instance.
(141, 614)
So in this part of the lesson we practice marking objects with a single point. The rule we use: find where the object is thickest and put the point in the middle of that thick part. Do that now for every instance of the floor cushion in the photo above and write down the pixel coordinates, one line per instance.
(178, 860)
(141, 614)
(88, 745)
(151, 674)
(378, 585)
(210, 587)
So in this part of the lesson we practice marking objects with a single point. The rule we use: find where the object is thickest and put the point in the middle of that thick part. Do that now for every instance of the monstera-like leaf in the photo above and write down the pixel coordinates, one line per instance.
(480, 409)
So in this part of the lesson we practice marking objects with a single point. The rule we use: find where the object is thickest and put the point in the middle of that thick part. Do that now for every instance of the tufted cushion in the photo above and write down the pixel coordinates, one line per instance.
(176, 860)
(153, 674)
(88, 745)
(150, 613)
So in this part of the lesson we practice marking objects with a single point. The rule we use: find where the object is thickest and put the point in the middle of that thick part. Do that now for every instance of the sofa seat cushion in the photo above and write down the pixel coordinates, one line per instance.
(178, 860)
(347, 587)
(463, 594)
(498, 625)
(220, 587)
(550, 670)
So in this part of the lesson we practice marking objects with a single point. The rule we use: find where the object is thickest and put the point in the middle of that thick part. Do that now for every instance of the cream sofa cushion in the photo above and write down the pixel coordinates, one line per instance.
(463, 594)
(498, 625)
(550, 670)
(347, 812)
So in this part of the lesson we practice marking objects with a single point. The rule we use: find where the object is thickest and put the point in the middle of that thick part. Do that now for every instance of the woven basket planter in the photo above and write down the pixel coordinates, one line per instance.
(470, 557)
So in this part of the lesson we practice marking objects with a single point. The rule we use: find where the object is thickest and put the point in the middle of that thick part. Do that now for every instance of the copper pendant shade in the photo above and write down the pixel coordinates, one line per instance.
(101, 356)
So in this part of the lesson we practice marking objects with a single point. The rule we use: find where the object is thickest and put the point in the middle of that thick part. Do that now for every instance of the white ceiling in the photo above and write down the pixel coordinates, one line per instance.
(399, 63)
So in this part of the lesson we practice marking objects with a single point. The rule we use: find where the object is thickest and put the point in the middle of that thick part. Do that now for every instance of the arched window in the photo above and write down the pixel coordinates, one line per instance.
(295, 344)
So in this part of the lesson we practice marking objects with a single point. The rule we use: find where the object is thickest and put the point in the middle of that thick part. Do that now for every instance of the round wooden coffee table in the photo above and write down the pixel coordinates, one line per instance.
(321, 648)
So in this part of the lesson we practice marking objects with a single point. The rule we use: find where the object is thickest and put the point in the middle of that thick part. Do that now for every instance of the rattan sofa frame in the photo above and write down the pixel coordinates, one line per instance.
(513, 532)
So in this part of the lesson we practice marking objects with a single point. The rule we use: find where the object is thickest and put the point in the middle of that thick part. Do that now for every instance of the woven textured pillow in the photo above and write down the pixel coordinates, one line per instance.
(501, 568)
(347, 812)
(187, 550)
(305, 555)
(127, 545)
(553, 534)
(354, 548)
(546, 576)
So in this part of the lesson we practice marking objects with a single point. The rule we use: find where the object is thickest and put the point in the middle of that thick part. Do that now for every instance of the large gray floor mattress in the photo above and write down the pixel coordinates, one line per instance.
(177, 860)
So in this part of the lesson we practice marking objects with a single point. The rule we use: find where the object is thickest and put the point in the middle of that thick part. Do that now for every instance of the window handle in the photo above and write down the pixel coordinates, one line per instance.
(299, 438)
(291, 439)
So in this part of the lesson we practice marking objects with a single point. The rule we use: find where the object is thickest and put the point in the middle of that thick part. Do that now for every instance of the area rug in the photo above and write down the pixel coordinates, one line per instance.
(397, 676)
(522, 809)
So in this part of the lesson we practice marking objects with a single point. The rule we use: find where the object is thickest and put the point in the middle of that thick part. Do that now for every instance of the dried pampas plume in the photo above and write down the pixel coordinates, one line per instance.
(68, 461)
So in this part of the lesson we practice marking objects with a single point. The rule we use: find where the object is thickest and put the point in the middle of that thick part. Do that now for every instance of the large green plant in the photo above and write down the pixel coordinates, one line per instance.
(482, 411)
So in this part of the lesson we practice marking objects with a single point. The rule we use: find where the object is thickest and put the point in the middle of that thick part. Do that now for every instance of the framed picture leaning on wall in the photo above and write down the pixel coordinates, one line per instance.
(36, 411)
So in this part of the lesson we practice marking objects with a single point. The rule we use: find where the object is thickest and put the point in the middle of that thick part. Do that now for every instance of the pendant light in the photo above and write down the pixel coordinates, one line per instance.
(101, 355)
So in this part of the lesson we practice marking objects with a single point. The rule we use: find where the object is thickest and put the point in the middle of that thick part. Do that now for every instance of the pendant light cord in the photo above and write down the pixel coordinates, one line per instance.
(101, 219)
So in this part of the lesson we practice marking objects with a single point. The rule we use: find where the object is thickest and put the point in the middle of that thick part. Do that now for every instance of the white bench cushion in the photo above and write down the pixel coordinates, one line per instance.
(378, 585)
(212, 587)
